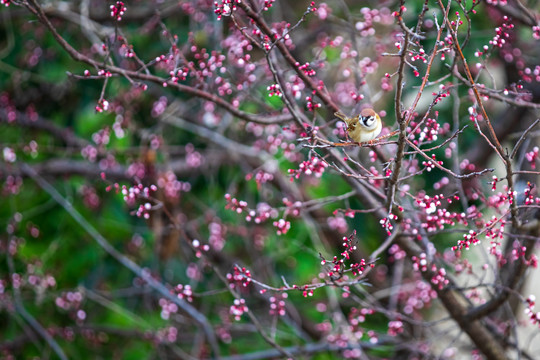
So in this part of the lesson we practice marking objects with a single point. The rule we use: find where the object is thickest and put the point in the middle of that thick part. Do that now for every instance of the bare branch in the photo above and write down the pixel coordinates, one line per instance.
(125, 261)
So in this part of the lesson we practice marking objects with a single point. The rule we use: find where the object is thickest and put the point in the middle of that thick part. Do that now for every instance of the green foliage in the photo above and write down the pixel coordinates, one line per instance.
(120, 315)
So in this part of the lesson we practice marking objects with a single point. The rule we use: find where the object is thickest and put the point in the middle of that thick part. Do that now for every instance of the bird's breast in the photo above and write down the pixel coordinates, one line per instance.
(361, 134)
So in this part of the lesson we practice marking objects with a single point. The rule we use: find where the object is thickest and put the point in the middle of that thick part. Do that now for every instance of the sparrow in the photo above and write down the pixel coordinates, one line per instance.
(364, 127)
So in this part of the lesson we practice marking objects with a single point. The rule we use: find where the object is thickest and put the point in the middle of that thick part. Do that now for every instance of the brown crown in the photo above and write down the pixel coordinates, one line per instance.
(368, 112)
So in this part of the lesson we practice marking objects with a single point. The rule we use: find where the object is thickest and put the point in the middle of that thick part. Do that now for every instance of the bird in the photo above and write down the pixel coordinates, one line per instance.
(364, 127)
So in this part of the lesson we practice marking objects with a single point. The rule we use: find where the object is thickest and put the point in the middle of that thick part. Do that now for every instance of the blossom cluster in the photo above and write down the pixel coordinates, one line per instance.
(238, 308)
(435, 215)
(314, 166)
(339, 263)
(534, 317)
(118, 10)
(240, 278)
(277, 304)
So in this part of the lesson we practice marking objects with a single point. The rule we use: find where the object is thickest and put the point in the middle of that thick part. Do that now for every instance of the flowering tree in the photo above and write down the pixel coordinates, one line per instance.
(175, 182)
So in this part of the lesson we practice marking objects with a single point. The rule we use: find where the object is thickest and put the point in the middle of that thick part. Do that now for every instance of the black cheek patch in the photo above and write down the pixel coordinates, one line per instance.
(367, 119)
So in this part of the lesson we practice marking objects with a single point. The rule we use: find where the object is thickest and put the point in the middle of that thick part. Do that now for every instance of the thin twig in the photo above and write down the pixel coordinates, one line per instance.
(29, 318)
(255, 320)
(259, 21)
(375, 254)
(459, 131)
(398, 162)
(523, 137)
(497, 145)
(125, 261)
(428, 70)
(439, 166)
(495, 94)
(76, 55)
